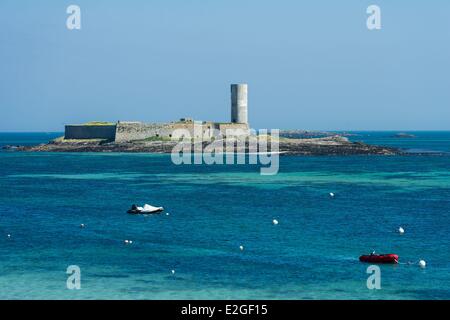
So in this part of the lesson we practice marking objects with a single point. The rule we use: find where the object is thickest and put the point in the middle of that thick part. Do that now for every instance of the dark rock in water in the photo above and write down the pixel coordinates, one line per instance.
(9, 147)
(403, 135)
(304, 134)
(331, 145)
(335, 145)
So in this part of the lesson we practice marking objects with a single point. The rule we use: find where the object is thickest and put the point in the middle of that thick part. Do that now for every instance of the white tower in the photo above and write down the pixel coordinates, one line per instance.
(239, 106)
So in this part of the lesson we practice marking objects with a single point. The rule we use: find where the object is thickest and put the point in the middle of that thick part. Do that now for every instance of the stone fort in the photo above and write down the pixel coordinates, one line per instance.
(131, 131)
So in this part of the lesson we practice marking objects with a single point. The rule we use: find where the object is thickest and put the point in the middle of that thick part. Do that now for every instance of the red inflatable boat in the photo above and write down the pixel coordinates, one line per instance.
(379, 258)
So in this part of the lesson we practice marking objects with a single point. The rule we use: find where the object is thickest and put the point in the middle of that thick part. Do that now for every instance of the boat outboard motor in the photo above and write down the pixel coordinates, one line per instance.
(134, 207)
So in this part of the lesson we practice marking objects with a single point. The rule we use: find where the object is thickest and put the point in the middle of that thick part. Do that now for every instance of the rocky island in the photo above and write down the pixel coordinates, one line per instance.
(232, 136)
(332, 145)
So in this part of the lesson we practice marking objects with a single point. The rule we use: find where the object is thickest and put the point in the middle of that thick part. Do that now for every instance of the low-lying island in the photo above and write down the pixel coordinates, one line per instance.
(332, 145)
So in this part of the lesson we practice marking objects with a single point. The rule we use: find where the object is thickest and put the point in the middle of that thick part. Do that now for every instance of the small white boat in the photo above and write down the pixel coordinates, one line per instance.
(146, 209)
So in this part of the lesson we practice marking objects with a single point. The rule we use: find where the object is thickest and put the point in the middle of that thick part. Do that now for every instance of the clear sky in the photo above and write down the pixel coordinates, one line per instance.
(309, 64)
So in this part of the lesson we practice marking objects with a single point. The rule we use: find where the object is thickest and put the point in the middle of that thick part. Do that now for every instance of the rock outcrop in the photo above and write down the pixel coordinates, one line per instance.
(334, 145)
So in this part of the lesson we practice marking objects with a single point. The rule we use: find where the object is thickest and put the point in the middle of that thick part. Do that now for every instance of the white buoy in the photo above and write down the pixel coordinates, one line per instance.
(127, 241)
(241, 248)
(173, 271)
(401, 230)
(167, 214)
(422, 264)
(82, 225)
(9, 236)
(331, 194)
(275, 221)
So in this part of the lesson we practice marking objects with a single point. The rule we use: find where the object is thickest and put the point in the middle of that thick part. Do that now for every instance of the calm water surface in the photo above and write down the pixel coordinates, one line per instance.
(311, 254)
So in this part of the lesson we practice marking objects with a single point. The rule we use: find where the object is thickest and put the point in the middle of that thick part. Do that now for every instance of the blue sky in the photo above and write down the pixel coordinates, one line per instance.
(309, 64)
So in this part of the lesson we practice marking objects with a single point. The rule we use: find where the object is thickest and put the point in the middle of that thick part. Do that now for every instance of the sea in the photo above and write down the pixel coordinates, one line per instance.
(217, 238)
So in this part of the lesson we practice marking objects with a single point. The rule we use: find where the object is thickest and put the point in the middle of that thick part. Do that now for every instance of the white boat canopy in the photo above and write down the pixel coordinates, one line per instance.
(149, 208)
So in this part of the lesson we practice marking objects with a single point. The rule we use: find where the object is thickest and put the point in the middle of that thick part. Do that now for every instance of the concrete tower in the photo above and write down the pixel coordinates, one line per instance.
(239, 103)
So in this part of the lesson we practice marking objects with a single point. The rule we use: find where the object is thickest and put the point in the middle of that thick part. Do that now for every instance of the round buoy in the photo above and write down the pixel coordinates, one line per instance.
(401, 230)
(127, 241)
(173, 271)
(422, 263)
(9, 236)
(331, 194)
(241, 248)
(275, 221)
(167, 214)
(82, 225)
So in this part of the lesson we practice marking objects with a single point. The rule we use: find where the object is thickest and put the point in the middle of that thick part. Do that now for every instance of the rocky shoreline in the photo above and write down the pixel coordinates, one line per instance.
(333, 145)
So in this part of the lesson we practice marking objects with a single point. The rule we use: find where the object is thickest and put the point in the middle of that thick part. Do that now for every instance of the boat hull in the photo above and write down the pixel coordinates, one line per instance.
(379, 258)
(145, 212)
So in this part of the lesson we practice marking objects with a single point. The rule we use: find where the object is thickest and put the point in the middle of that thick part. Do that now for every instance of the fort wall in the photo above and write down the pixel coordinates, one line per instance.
(107, 132)
(175, 130)
(140, 131)
(132, 131)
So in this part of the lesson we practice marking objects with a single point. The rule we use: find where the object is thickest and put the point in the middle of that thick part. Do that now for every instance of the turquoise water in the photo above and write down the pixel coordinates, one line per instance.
(311, 254)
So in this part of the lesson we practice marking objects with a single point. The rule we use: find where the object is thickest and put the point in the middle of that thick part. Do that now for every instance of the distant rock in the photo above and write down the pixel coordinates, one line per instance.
(403, 135)
(9, 147)
(304, 134)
